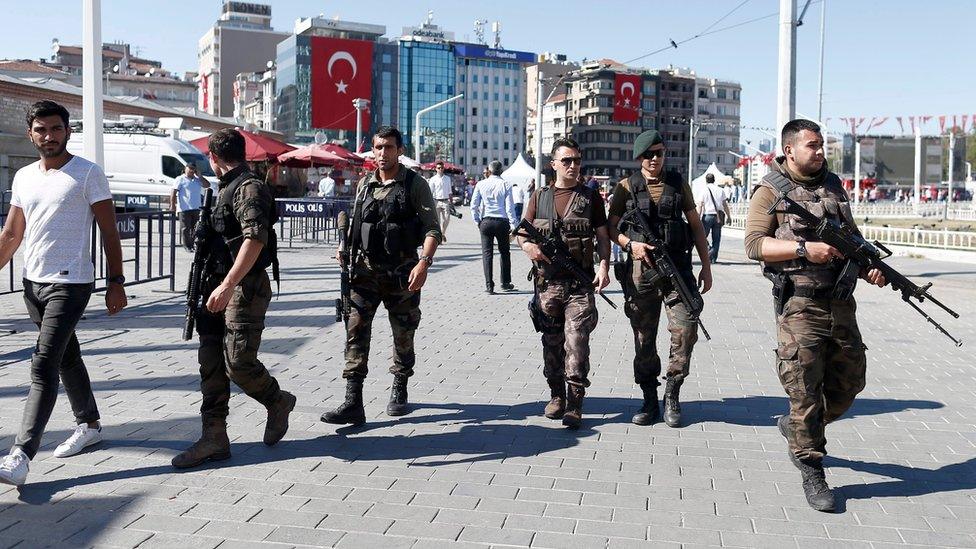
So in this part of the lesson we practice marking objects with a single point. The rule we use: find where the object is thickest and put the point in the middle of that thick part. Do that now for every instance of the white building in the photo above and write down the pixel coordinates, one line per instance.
(490, 119)
(241, 41)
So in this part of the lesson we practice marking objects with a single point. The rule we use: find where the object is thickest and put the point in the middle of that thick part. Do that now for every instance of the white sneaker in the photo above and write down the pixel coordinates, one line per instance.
(14, 467)
(83, 437)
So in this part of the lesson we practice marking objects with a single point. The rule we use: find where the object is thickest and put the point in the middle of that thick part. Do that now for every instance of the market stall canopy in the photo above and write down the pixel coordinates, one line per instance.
(258, 148)
(319, 155)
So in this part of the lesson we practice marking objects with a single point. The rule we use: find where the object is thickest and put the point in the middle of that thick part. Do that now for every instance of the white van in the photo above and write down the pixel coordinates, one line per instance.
(144, 163)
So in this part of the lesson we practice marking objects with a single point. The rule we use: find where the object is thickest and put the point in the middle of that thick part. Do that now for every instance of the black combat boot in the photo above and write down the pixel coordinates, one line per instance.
(277, 424)
(351, 410)
(557, 403)
(573, 416)
(672, 408)
(490, 289)
(649, 411)
(212, 446)
(398, 397)
(819, 495)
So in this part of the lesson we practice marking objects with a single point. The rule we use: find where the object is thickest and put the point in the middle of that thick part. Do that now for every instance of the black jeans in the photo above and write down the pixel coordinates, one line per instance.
(188, 225)
(495, 229)
(56, 309)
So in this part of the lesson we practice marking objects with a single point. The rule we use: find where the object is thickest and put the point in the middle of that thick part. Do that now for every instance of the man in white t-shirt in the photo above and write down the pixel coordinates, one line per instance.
(440, 189)
(186, 199)
(327, 186)
(711, 201)
(52, 206)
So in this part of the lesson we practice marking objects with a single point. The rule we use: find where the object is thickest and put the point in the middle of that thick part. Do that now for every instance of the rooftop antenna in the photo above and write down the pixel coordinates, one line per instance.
(496, 28)
(479, 30)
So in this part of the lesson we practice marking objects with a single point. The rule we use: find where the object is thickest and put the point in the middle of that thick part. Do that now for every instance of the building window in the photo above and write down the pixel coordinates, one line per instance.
(721, 93)
(720, 142)
(735, 95)
(474, 78)
(703, 93)
(474, 144)
(474, 111)
(484, 145)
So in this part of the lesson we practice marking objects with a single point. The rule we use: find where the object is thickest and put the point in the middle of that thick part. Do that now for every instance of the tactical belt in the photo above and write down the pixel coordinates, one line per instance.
(813, 293)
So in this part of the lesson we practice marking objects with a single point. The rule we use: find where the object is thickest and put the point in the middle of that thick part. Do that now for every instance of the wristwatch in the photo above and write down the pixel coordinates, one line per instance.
(120, 280)
(801, 248)
(427, 259)
(630, 246)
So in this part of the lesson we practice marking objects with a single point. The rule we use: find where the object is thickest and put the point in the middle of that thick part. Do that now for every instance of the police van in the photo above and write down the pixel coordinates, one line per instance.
(143, 161)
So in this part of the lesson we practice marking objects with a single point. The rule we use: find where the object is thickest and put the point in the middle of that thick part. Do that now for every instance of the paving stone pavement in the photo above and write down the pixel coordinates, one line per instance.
(475, 464)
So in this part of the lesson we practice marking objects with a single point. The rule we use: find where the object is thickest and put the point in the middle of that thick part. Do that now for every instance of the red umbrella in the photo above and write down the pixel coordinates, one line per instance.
(258, 148)
(312, 155)
(343, 153)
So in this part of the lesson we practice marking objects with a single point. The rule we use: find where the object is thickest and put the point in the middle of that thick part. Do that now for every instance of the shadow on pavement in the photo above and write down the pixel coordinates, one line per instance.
(761, 411)
(910, 482)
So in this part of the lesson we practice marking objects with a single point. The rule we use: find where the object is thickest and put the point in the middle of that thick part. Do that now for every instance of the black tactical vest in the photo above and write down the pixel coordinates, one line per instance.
(225, 224)
(389, 229)
(667, 217)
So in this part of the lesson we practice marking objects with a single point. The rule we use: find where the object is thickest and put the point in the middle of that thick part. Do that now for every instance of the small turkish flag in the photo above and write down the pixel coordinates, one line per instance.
(626, 97)
(342, 70)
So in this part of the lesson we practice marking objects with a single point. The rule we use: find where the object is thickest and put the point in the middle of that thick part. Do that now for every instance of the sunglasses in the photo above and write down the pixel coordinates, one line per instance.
(651, 155)
(566, 161)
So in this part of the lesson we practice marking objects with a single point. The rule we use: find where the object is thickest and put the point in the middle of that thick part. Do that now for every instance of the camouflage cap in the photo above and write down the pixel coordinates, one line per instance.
(645, 141)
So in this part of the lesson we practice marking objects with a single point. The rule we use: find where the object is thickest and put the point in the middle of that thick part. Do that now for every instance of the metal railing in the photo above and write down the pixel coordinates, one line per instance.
(148, 252)
(961, 211)
(309, 219)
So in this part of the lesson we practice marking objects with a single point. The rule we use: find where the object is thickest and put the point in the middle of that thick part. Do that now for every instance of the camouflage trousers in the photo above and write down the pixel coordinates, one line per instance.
(821, 365)
(370, 287)
(229, 344)
(566, 354)
(644, 312)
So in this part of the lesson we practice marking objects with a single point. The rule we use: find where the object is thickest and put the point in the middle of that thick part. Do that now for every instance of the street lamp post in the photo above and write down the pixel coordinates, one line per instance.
(91, 81)
(416, 126)
(360, 105)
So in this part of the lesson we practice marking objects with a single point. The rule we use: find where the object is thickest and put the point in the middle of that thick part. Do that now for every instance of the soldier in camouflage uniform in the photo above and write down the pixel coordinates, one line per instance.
(393, 215)
(666, 200)
(231, 322)
(820, 356)
(563, 309)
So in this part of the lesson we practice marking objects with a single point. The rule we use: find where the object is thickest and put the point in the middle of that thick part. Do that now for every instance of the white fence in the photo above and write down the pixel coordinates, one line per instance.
(960, 211)
(920, 238)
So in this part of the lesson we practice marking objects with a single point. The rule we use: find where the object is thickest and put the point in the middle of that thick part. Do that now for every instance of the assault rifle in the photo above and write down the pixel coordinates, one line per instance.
(343, 305)
(452, 210)
(866, 255)
(201, 252)
(556, 250)
(665, 267)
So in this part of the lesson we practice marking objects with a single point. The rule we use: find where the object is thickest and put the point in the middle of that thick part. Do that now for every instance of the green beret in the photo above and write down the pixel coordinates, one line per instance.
(645, 141)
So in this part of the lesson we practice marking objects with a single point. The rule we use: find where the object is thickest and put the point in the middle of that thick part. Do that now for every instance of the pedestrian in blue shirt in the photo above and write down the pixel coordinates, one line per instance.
(493, 210)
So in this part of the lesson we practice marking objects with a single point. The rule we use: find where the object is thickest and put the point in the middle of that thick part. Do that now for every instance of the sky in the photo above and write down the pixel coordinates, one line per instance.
(882, 57)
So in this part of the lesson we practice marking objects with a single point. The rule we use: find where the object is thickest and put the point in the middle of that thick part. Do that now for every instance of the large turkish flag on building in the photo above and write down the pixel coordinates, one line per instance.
(342, 70)
(626, 97)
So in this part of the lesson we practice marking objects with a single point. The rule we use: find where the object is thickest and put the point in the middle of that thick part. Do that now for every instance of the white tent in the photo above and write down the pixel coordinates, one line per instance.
(698, 184)
(520, 173)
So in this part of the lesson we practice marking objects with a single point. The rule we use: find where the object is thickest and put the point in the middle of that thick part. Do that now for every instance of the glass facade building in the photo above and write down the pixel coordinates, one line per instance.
(426, 77)
(491, 117)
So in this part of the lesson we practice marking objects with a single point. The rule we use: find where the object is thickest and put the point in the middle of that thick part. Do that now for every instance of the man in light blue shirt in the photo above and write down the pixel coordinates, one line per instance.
(493, 209)
(186, 201)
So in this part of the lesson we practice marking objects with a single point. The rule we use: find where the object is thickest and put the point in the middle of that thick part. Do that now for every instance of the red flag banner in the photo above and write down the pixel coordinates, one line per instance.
(942, 124)
(912, 120)
(965, 119)
(626, 97)
(342, 70)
